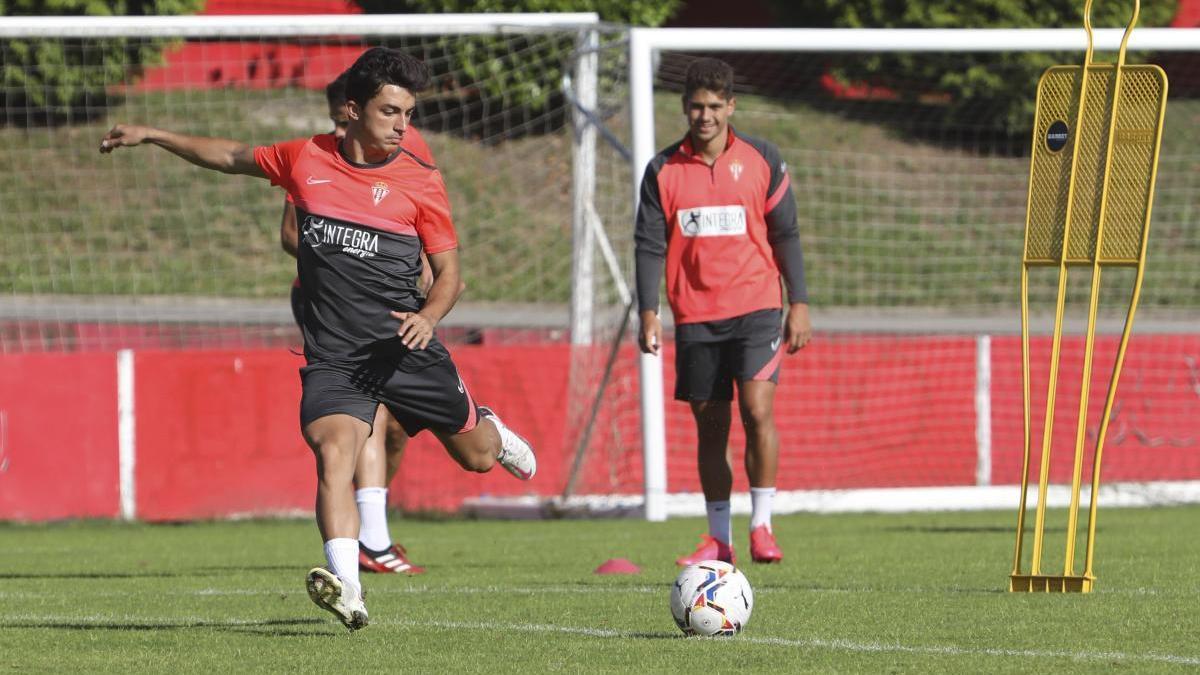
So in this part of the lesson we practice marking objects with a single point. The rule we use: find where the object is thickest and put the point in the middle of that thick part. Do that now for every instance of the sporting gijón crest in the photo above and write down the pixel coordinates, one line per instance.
(735, 169)
(378, 191)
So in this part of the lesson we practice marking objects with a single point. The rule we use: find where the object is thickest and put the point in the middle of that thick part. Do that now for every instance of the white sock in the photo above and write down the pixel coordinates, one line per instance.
(760, 506)
(342, 555)
(372, 515)
(720, 520)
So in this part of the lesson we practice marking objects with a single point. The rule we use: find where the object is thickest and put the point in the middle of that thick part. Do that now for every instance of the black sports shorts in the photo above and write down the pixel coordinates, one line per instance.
(709, 356)
(433, 397)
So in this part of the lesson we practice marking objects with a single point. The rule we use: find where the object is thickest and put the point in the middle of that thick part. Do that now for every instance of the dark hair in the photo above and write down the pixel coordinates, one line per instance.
(335, 92)
(711, 74)
(380, 66)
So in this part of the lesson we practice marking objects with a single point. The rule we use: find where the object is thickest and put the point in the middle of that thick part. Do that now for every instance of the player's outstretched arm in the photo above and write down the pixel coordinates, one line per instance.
(218, 154)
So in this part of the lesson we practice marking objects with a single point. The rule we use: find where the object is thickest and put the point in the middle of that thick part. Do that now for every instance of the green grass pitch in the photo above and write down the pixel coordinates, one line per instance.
(913, 593)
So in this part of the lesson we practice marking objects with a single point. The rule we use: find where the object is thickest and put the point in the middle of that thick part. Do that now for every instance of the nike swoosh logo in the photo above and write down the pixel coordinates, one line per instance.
(318, 181)
(775, 344)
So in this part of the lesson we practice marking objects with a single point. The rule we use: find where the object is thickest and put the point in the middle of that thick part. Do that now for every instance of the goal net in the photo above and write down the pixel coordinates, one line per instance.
(908, 153)
(142, 253)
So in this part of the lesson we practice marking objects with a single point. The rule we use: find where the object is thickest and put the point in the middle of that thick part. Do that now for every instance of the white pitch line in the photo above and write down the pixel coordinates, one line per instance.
(378, 590)
(817, 643)
(413, 589)
(836, 644)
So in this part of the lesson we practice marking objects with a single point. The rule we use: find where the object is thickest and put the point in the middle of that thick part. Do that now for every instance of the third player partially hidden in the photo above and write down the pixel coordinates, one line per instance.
(717, 211)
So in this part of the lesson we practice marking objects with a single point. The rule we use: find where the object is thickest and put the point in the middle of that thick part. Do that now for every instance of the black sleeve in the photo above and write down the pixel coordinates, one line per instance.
(650, 240)
(783, 232)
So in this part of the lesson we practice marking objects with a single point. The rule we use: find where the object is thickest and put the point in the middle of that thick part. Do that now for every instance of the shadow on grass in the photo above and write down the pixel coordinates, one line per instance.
(106, 575)
(269, 627)
(224, 569)
(963, 529)
(655, 636)
(206, 571)
(990, 589)
(266, 628)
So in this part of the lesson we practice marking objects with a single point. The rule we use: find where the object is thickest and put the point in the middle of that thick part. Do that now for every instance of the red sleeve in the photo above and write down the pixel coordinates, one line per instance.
(415, 143)
(277, 161)
(434, 226)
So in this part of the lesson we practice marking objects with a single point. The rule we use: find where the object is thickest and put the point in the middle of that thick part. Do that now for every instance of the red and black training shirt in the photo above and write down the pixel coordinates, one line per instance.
(362, 229)
(724, 232)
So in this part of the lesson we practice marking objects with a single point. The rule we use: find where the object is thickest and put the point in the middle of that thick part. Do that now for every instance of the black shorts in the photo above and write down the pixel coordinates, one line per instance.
(709, 356)
(433, 397)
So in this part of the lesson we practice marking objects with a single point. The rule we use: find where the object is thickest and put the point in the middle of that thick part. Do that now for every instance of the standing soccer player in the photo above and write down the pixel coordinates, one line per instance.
(367, 210)
(717, 211)
(380, 458)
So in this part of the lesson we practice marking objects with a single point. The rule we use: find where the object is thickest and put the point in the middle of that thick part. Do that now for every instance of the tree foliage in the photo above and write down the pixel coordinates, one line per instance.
(56, 79)
(520, 72)
(991, 90)
(634, 12)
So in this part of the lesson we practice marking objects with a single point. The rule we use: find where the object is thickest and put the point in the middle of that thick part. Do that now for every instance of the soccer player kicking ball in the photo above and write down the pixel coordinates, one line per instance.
(380, 457)
(717, 210)
(366, 210)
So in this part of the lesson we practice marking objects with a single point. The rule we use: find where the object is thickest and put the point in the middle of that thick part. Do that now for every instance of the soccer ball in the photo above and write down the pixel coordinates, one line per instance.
(711, 598)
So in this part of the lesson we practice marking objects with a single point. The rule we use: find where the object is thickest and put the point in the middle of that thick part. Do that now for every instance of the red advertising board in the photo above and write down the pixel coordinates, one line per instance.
(58, 436)
(217, 431)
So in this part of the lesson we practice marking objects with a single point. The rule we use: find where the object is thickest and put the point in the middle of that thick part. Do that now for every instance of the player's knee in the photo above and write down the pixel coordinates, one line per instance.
(394, 446)
(757, 414)
(477, 462)
(333, 453)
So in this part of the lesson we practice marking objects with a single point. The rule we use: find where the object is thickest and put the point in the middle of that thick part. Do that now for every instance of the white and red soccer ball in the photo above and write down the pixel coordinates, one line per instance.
(711, 598)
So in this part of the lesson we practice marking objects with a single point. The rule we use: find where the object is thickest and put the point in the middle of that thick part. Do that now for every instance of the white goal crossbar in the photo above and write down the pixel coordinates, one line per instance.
(288, 25)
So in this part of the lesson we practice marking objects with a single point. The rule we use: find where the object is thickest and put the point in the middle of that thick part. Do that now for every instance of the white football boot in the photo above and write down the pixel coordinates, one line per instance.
(340, 599)
(516, 455)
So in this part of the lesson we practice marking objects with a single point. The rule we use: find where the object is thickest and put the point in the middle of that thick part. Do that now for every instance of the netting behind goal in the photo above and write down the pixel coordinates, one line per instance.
(142, 251)
(911, 185)
(85, 235)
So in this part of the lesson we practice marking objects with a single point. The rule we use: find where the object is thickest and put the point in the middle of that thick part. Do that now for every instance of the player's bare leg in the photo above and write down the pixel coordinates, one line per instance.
(489, 442)
(377, 463)
(371, 470)
(336, 441)
(712, 456)
(474, 450)
(395, 441)
(716, 479)
(756, 401)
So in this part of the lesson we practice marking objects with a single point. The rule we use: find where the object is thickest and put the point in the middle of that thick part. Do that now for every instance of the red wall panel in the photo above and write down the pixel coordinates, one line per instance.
(851, 411)
(217, 432)
(1154, 432)
(58, 436)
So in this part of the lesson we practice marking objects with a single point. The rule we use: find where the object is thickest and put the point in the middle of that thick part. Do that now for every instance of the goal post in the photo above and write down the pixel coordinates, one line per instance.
(649, 50)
